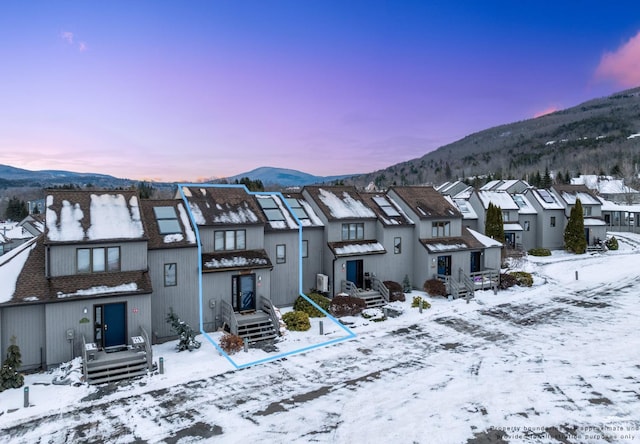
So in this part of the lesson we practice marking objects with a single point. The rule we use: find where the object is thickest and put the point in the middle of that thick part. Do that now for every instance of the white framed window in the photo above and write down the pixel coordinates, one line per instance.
(397, 245)
(305, 248)
(552, 221)
(526, 225)
(281, 254)
(170, 275)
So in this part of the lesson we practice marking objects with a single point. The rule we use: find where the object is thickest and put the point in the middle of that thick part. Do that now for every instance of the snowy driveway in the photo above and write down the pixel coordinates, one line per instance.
(559, 362)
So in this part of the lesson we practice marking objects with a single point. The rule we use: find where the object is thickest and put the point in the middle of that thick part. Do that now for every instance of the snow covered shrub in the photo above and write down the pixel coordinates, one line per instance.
(297, 321)
(507, 281)
(9, 376)
(415, 303)
(231, 343)
(301, 304)
(374, 314)
(186, 335)
(435, 287)
(524, 279)
(539, 252)
(395, 291)
(611, 243)
(347, 306)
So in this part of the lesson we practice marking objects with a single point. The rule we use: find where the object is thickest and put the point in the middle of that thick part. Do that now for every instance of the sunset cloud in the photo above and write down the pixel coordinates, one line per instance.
(82, 46)
(549, 110)
(67, 37)
(622, 65)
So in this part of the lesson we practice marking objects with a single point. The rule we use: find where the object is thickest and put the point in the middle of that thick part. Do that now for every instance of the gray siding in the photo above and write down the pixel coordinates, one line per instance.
(284, 277)
(60, 317)
(183, 297)
(528, 237)
(396, 266)
(27, 324)
(312, 264)
(62, 258)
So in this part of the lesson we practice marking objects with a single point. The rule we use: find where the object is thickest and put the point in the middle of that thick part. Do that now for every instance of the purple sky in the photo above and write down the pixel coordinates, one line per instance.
(192, 90)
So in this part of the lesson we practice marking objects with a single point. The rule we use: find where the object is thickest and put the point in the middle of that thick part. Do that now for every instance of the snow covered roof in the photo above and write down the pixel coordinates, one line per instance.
(501, 199)
(276, 212)
(545, 199)
(442, 244)
(426, 202)
(168, 224)
(14, 230)
(593, 222)
(484, 240)
(524, 206)
(337, 202)
(235, 260)
(223, 205)
(607, 205)
(79, 215)
(464, 207)
(11, 265)
(302, 210)
(387, 209)
(569, 193)
(512, 226)
(356, 248)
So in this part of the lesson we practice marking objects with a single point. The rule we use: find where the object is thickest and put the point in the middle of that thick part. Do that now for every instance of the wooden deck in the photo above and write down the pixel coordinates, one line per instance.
(107, 367)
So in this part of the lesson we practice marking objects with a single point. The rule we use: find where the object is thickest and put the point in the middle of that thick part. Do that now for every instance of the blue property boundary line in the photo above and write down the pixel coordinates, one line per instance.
(350, 334)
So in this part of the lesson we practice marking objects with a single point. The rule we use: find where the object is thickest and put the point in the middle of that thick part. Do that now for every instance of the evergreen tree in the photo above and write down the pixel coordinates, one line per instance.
(145, 190)
(187, 337)
(9, 376)
(546, 181)
(406, 284)
(252, 185)
(494, 227)
(574, 238)
(16, 209)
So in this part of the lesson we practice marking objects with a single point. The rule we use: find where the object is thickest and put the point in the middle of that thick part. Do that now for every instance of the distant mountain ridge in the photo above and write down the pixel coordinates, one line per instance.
(12, 176)
(284, 177)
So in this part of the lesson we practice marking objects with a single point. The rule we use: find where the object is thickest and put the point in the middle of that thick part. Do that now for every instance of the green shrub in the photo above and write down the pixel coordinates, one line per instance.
(435, 287)
(301, 304)
(415, 303)
(297, 320)
(611, 243)
(347, 306)
(539, 252)
(524, 279)
(231, 343)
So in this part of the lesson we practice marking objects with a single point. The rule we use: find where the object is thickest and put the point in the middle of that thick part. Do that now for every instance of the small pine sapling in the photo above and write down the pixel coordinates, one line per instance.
(185, 333)
(9, 376)
(406, 284)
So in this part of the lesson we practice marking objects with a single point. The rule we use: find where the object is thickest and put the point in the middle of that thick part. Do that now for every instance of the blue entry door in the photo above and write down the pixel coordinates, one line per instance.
(444, 265)
(355, 272)
(245, 292)
(114, 324)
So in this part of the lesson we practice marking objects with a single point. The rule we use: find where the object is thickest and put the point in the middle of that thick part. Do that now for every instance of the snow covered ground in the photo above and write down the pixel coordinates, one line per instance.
(558, 362)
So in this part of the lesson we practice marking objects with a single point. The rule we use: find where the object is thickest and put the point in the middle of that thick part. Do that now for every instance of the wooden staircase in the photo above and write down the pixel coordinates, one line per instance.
(374, 299)
(109, 367)
(260, 325)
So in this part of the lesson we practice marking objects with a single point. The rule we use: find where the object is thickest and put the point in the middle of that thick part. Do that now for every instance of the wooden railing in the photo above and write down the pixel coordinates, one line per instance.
(268, 307)
(229, 317)
(84, 359)
(379, 286)
(486, 279)
(350, 288)
(147, 348)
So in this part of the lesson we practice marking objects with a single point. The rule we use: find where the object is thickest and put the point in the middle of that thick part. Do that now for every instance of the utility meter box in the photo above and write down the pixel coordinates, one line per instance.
(70, 334)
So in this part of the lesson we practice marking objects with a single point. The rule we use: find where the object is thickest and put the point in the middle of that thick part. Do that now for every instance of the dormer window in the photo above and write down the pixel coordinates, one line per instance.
(98, 260)
(354, 231)
(440, 229)
(225, 240)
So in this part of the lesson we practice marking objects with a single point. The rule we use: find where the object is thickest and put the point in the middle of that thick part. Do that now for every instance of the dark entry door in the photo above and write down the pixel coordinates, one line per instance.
(444, 265)
(244, 292)
(110, 324)
(355, 272)
(475, 262)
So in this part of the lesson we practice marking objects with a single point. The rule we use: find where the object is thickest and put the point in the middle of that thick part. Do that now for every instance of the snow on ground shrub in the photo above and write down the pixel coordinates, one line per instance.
(415, 303)
(374, 314)
(524, 279)
(231, 343)
(184, 331)
(611, 243)
(539, 252)
(297, 320)
(435, 287)
(301, 304)
(395, 291)
(347, 306)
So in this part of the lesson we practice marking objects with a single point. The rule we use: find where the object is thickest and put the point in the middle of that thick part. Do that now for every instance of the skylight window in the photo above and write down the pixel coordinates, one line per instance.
(271, 209)
(167, 220)
(462, 205)
(385, 206)
(519, 201)
(548, 198)
(297, 208)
